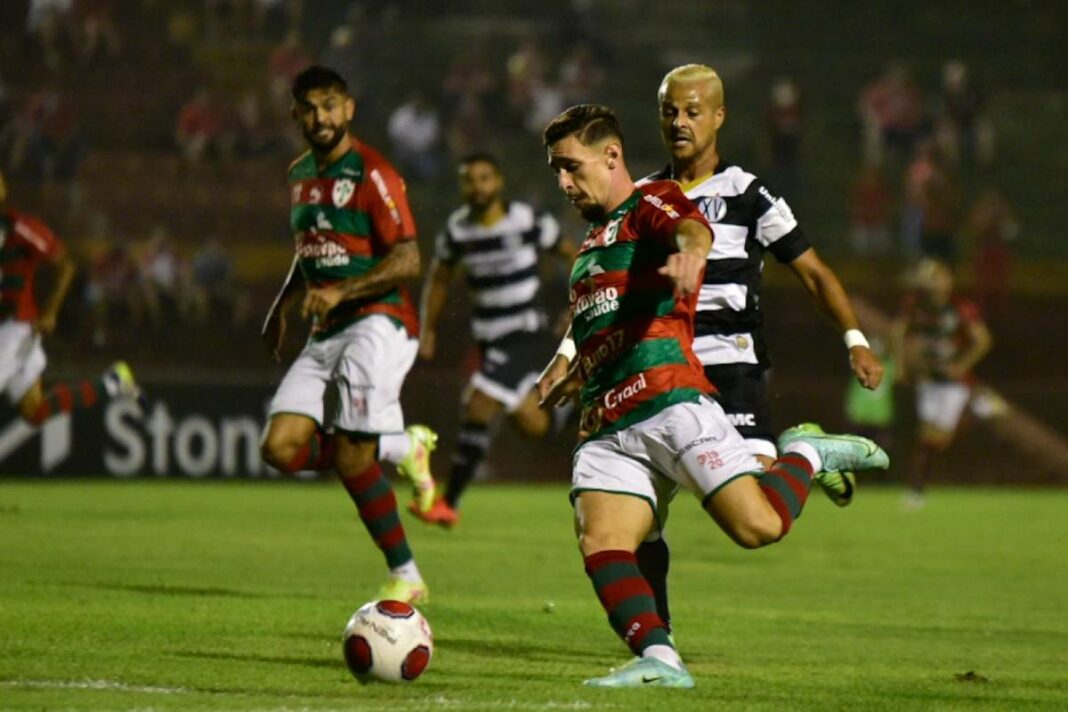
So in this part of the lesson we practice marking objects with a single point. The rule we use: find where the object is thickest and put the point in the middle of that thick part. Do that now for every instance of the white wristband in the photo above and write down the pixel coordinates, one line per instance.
(855, 337)
(567, 349)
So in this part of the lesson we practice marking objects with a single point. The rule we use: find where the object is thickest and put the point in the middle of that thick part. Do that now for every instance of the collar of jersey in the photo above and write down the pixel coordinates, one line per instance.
(332, 170)
(622, 208)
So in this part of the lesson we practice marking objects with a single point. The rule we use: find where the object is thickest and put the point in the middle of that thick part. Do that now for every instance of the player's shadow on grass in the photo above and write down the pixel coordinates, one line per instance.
(334, 661)
(164, 589)
(521, 650)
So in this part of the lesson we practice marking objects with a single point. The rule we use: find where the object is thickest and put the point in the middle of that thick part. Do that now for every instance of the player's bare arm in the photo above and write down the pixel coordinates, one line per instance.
(562, 366)
(686, 267)
(274, 326)
(399, 265)
(65, 269)
(432, 302)
(822, 283)
(981, 342)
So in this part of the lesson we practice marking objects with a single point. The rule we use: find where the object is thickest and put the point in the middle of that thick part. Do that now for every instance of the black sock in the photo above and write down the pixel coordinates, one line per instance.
(472, 444)
(654, 559)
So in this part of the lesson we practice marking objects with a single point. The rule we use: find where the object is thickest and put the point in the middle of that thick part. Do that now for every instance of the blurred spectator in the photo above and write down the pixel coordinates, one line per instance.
(97, 32)
(201, 128)
(891, 114)
(164, 279)
(468, 81)
(214, 294)
(345, 57)
(254, 135)
(870, 200)
(51, 23)
(526, 72)
(48, 142)
(111, 291)
(931, 209)
(580, 76)
(287, 60)
(991, 226)
(785, 124)
(964, 134)
(415, 131)
(871, 412)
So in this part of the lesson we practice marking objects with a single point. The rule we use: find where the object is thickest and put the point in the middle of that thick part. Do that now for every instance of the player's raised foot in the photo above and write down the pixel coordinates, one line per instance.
(416, 465)
(397, 589)
(119, 382)
(838, 453)
(439, 513)
(644, 672)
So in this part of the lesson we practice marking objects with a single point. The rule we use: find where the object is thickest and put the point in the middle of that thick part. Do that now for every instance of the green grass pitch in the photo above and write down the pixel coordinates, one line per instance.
(176, 595)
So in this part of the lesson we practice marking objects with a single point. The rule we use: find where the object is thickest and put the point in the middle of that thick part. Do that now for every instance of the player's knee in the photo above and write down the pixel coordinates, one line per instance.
(533, 424)
(279, 451)
(756, 530)
(592, 542)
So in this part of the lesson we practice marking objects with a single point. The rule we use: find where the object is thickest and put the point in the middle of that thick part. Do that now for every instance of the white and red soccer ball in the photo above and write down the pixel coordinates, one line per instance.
(388, 640)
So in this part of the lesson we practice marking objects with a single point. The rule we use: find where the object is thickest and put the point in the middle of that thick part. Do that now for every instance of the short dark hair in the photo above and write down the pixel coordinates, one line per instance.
(317, 77)
(589, 122)
(481, 157)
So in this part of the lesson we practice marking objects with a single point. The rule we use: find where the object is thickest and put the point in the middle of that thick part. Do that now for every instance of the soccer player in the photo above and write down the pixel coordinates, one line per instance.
(649, 425)
(355, 246)
(938, 337)
(27, 245)
(497, 242)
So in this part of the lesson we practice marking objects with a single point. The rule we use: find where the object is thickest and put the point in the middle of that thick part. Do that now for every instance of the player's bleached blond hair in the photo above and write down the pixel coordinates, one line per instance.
(693, 73)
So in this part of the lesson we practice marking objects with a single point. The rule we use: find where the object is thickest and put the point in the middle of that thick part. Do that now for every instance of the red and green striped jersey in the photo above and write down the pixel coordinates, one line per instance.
(25, 242)
(634, 337)
(345, 219)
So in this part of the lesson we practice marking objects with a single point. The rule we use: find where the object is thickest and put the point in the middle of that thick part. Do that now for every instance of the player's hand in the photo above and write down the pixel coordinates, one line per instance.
(428, 345)
(319, 301)
(685, 270)
(45, 324)
(866, 367)
(554, 389)
(273, 334)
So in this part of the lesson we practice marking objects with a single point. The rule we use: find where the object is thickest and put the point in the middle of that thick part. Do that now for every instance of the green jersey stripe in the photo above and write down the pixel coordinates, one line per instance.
(643, 356)
(329, 217)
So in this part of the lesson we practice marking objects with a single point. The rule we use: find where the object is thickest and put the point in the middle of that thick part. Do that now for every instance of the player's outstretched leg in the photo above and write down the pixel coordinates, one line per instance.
(472, 443)
(117, 381)
(374, 499)
(410, 452)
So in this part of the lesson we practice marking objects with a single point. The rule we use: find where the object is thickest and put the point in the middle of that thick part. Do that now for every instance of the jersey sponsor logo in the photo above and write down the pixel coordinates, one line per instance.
(315, 194)
(617, 396)
(597, 303)
(323, 251)
(713, 207)
(778, 203)
(742, 419)
(668, 208)
(294, 195)
(710, 459)
(342, 192)
(607, 350)
(387, 198)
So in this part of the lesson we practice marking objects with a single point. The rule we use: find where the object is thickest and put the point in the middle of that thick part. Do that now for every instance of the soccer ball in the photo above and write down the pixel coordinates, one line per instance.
(387, 640)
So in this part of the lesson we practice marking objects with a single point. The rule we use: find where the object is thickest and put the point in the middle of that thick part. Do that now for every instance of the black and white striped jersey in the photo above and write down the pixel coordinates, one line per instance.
(501, 263)
(747, 220)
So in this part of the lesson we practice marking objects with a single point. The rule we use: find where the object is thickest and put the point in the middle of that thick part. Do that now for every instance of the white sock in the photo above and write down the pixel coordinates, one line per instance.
(393, 447)
(665, 654)
(407, 572)
(806, 451)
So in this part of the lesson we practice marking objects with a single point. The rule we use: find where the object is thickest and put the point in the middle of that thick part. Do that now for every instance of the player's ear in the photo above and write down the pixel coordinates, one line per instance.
(613, 153)
(350, 108)
(721, 115)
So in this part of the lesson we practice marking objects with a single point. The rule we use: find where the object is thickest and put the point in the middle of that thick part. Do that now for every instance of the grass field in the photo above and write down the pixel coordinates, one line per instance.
(176, 595)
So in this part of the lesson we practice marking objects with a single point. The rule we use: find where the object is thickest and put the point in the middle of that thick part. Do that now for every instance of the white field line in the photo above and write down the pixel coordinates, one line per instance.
(94, 685)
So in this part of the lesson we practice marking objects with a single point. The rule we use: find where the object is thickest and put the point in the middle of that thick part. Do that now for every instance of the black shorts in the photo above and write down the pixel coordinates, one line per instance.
(743, 394)
(511, 365)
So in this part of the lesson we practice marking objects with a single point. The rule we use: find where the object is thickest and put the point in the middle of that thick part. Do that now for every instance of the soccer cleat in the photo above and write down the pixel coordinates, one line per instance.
(416, 465)
(119, 382)
(839, 453)
(397, 589)
(838, 486)
(439, 513)
(644, 672)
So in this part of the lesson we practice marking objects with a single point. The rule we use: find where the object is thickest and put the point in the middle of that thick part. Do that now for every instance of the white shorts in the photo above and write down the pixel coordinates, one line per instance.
(688, 445)
(367, 361)
(940, 403)
(22, 360)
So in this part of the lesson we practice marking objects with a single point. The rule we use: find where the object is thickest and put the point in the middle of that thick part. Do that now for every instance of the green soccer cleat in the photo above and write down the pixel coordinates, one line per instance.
(119, 382)
(838, 486)
(839, 453)
(397, 589)
(644, 672)
(416, 465)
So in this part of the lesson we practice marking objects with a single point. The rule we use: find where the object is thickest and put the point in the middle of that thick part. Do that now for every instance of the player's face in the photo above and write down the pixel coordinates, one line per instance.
(480, 184)
(583, 174)
(324, 116)
(690, 115)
